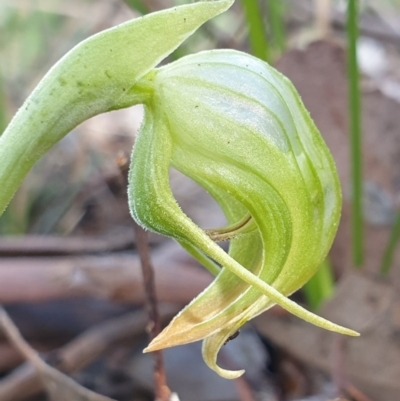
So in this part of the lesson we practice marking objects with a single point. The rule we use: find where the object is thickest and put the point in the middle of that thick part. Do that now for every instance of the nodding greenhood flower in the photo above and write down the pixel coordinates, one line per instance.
(227, 120)
(238, 127)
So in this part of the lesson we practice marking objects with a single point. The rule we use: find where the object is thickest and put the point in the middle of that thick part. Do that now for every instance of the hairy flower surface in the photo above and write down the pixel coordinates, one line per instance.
(227, 120)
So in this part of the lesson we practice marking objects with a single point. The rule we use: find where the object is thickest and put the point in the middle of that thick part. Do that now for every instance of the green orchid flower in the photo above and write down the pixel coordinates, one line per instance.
(237, 127)
(227, 120)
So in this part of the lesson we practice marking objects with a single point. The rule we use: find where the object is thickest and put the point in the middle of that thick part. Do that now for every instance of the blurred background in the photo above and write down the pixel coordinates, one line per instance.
(69, 272)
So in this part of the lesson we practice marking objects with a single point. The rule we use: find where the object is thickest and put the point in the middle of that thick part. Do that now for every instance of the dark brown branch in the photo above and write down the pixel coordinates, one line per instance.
(163, 392)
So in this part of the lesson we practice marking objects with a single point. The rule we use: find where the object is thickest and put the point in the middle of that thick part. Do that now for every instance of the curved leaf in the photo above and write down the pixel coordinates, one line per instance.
(97, 76)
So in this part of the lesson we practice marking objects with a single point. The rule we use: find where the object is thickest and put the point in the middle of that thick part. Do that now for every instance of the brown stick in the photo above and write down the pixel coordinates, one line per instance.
(32, 245)
(117, 277)
(162, 390)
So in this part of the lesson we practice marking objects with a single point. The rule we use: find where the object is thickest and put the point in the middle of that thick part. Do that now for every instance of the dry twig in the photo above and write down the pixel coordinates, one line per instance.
(25, 380)
(117, 277)
(32, 245)
(59, 386)
(163, 392)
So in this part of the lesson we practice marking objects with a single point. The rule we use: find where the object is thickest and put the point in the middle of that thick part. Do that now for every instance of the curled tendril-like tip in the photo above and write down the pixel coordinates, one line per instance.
(210, 349)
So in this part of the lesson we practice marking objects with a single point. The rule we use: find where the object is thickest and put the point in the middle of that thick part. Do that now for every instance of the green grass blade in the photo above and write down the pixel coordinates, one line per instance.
(355, 132)
(276, 18)
(320, 287)
(387, 259)
(257, 36)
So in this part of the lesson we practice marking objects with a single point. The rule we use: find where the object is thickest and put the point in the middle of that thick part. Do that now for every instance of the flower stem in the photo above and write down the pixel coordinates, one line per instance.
(355, 132)
(257, 36)
(276, 18)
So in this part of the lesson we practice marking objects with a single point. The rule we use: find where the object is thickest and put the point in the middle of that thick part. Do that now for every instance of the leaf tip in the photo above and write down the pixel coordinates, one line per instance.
(352, 333)
(151, 347)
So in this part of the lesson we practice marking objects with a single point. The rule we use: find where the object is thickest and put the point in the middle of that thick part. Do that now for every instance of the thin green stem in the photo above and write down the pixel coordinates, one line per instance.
(391, 246)
(276, 18)
(355, 132)
(257, 36)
